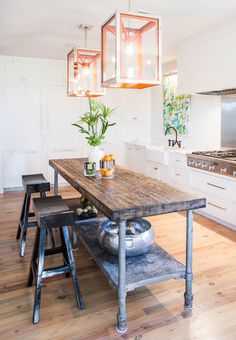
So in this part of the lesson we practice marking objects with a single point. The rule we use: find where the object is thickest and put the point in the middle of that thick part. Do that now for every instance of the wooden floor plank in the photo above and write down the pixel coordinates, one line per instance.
(154, 312)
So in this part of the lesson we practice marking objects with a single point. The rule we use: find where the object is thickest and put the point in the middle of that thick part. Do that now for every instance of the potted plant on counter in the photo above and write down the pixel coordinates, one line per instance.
(94, 124)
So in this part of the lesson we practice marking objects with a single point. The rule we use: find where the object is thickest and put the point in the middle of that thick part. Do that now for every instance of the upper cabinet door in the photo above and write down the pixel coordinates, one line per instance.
(62, 111)
(21, 117)
(32, 72)
(20, 71)
(55, 74)
(13, 71)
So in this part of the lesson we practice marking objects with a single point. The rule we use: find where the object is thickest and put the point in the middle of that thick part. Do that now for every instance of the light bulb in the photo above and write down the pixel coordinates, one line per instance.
(86, 70)
(130, 48)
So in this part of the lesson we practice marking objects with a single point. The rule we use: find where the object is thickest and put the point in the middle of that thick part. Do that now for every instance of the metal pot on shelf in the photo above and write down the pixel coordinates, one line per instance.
(139, 237)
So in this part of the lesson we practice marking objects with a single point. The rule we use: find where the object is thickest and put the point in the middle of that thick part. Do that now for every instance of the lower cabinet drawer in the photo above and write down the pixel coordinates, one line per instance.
(179, 176)
(152, 170)
(220, 208)
(213, 185)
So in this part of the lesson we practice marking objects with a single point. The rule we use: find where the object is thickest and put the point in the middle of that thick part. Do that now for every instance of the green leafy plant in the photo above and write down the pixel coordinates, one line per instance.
(95, 122)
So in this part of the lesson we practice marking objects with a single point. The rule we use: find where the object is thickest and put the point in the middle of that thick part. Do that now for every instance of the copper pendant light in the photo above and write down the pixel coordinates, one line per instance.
(131, 50)
(84, 71)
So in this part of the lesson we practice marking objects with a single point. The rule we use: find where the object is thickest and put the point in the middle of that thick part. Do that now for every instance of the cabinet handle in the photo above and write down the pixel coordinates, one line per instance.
(41, 117)
(178, 160)
(216, 186)
(48, 118)
(216, 206)
(155, 168)
(177, 175)
(21, 152)
(63, 150)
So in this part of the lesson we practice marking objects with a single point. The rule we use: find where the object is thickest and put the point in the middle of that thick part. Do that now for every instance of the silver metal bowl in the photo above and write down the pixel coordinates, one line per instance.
(139, 237)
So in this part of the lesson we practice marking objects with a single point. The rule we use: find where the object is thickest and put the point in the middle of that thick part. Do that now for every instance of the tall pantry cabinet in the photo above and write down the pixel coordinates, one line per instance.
(36, 117)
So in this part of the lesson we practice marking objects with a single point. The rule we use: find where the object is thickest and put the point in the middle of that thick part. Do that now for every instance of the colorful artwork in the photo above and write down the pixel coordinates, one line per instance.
(176, 109)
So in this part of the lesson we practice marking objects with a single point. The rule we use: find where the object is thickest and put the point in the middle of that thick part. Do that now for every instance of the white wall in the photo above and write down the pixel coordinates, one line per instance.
(36, 117)
(206, 61)
(205, 121)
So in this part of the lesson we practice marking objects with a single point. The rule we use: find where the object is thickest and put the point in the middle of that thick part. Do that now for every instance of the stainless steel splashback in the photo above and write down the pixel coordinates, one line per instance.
(228, 121)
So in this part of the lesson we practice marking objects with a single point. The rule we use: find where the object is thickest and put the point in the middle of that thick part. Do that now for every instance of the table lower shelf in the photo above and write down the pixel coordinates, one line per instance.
(153, 267)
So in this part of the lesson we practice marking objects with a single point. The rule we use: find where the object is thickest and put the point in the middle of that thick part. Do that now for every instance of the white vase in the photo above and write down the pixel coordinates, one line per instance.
(95, 155)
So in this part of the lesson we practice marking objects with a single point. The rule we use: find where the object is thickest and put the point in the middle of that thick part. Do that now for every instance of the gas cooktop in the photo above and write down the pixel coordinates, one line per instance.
(224, 154)
(218, 161)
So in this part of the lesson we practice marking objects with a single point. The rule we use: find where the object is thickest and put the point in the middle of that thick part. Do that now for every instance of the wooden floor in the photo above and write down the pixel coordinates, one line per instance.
(154, 312)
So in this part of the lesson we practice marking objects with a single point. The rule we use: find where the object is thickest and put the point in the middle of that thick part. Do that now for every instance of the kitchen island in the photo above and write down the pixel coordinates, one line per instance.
(132, 195)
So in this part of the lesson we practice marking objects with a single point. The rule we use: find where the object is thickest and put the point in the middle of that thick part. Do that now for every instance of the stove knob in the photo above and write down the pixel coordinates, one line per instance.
(223, 170)
(199, 164)
(211, 167)
(191, 163)
(204, 166)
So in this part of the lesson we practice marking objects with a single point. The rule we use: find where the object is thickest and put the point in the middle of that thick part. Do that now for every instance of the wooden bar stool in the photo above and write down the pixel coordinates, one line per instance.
(52, 212)
(32, 184)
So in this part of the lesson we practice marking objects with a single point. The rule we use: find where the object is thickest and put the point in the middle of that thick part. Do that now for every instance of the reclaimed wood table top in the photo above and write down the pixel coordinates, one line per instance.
(129, 194)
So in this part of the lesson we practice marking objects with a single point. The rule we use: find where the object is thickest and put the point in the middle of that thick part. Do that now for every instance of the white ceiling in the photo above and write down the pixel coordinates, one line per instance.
(49, 28)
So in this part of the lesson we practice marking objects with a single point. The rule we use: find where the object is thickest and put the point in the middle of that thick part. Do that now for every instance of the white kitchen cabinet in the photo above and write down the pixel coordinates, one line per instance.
(21, 117)
(207, 62)
(220, 208)
(152, 170)
(55, 74)
(220, 194)
(130, 156)
(32, 72)
(139, 158)
(178, 169)
(179, 176)
(22, 71)
(18, 163)
(177, 158)
(13, 71)
(61, 112)
(157, 171)
(58, 154)
(214, 185)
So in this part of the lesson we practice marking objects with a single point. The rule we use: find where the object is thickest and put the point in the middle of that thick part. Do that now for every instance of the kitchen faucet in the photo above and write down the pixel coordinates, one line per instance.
(171, 141)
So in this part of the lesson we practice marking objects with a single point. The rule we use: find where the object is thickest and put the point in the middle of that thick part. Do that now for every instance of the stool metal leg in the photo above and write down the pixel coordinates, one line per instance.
(74, 239)
(65, 254)
(78, 295)
(34, 257)
(25, 225)
(50, 233)
(21, 218)
(39, 281)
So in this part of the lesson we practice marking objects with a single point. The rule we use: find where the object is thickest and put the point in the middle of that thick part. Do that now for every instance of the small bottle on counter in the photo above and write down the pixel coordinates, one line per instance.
(89, 169)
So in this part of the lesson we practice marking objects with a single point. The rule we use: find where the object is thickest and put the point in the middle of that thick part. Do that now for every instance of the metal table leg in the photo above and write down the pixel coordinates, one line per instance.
(55, 182)
(122, 292)
(188, 296)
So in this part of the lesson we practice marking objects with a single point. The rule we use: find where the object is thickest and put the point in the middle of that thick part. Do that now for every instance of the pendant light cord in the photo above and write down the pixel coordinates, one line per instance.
(85, 36)
(129, 5)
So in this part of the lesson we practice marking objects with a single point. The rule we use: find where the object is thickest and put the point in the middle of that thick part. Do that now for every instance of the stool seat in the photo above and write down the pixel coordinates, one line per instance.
(35, 183)
(54, 210)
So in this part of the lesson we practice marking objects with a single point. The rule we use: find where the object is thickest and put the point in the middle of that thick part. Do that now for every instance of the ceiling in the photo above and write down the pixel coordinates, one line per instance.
(49, 28)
